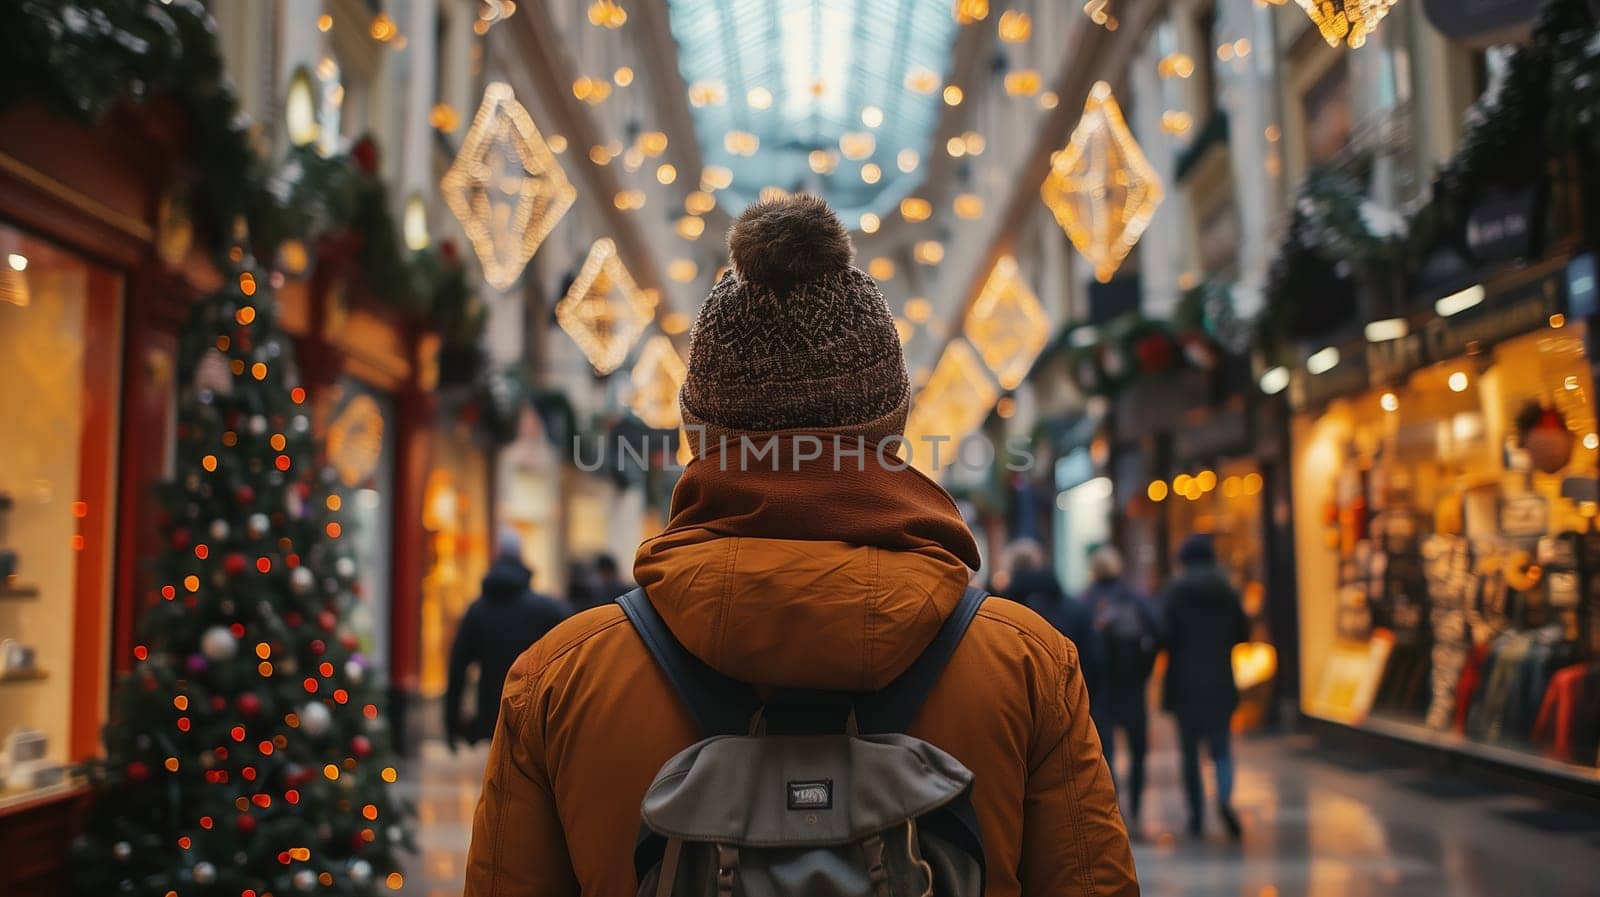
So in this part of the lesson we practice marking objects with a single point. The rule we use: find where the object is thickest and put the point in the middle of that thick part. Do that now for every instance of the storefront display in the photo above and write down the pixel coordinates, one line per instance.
(1449, 559)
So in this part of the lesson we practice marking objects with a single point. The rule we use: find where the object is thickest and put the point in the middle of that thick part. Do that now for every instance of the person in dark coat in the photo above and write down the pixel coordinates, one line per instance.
(1130, 635)
(1203, 621)
(609, 581)
(505, 621)
(1031, 583)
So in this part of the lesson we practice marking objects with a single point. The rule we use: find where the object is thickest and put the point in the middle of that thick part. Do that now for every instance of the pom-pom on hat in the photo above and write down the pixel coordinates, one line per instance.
(793, 337)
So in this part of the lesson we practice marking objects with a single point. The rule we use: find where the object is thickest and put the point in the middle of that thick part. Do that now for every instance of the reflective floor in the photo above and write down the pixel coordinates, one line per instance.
(1314, 825)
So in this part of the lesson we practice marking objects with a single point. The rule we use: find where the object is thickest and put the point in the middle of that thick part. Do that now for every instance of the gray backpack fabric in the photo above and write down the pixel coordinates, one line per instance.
(810, 793)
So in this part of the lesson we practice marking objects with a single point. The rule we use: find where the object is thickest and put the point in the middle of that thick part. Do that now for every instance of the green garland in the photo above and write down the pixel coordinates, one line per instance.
(83, 59)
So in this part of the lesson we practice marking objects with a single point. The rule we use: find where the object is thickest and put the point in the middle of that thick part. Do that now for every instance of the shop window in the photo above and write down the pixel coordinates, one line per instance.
(60, 327)
(1449, 561)
(361, 450)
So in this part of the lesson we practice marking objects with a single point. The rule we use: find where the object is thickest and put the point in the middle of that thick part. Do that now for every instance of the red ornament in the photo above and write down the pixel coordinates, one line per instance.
(234, 564)
(138, 771)
(1154, 353)
(180, 539)
(449, 253)
(249, 704)
(327, 620)
(293, 618)
(361, 746)
(318, 646)
(246, 494)
(365, 155)
(246, 824)
(241, 339)
(218, 703)
(349, 641)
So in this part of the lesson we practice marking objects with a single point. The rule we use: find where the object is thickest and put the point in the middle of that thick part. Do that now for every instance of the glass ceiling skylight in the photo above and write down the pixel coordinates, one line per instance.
(835, 97)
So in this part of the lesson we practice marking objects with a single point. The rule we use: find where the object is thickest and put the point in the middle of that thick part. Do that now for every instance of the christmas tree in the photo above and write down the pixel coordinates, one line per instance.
(245, 755)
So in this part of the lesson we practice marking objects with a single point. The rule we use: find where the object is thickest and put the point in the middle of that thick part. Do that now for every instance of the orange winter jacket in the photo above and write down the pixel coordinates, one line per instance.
(745, 582)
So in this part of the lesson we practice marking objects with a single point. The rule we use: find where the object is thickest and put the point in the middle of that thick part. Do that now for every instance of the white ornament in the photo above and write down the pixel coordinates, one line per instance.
(122, 850)
(258, 525)
(360, 872)
(204, 873)
(218, 644)
(345, 567)
(219, 530)
(258, 424)
(212, 374)
(302, 580)
(315, 718)
(305, 880)
(354, 672)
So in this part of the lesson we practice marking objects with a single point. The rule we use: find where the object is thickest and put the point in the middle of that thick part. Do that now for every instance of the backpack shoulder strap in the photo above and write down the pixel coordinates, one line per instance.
(895, 707)
(719, 705)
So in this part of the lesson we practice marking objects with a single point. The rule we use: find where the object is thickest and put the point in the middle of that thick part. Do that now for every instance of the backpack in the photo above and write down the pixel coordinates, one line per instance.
(811, 793)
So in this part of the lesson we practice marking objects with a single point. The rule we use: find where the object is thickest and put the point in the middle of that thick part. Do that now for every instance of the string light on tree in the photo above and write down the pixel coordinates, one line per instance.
(604, 311)
(656, 377)
(1101, 188)
(505, 186)
(1347, 21)
(1007, 324)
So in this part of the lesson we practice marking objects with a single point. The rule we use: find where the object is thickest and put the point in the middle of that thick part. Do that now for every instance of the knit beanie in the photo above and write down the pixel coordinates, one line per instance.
(794, 337)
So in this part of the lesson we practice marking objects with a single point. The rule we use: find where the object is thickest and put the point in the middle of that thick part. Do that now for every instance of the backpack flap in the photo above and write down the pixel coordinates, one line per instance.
(799, 791)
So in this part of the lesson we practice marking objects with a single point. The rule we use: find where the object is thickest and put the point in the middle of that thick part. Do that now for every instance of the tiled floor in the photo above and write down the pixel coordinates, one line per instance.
(1313, 826)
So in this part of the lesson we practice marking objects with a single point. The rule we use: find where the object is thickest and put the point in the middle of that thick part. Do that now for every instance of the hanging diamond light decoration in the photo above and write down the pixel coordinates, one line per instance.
(1350, 21)
(657, 376)
(506, 186)
(605, 312)
(1101, 188)
(1007, 324)
(954, 402)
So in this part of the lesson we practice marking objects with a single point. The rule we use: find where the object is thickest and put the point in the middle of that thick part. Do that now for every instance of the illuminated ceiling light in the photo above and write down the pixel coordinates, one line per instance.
(666, 174)
(915, 208)
(1007, 324)
(1015, 26)
(1176, 65)
(1098, 13)
(629, 200)
(715, 177)
(653, 143)
(604, 312)
(1323, 360)
(1456, 303)
(699, 203)
(822, 161)
(707, 93)
(870, 173)
(907, 160)
(1387, 329)
(953, 403)
(1348, 21)
(444, 117)
(682, 270)
(929, 252)
(1389, 402)
(557, 143)
(1241, 48)
(872, 116)
(690, 227)
(593, 91)
(623, 76)
(1458, 381)
(974, 143)
(1157, 490)
(1049, 100)
(633, 159)
(505, 186)
(324, 22)
(758, 98)
(857, 145)
(919, 310)
(1591, 441)
(383, 29)
(956, 147)
(969, 11)
(1176, 121)
(1101, 188)
(869, 223)
(920, 79)
(741, 143)
(17, 261)
(1225, 52)
(1022, 83)
(657, 377)
(952, 95)
(968, 206)
(881, 268)
(300, 110)
(607, 14)
(327, 68)
(599, 155)
(414, 223)
(1275, 380)
(675, 322)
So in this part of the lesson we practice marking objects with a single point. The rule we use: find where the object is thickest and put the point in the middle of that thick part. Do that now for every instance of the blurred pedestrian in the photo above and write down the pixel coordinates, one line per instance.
(507, 618)
(1030, 581)
(810, 574)
(1203, 621)
(610, 584)
(1130, 638)
(582, 593)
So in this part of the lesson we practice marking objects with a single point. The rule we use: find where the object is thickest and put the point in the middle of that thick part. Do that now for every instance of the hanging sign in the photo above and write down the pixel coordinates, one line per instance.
(1480, 23)
(1502, 227)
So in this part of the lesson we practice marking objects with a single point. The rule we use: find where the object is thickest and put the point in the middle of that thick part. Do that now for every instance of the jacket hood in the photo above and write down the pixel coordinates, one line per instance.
(807, 576)
(507, 578)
